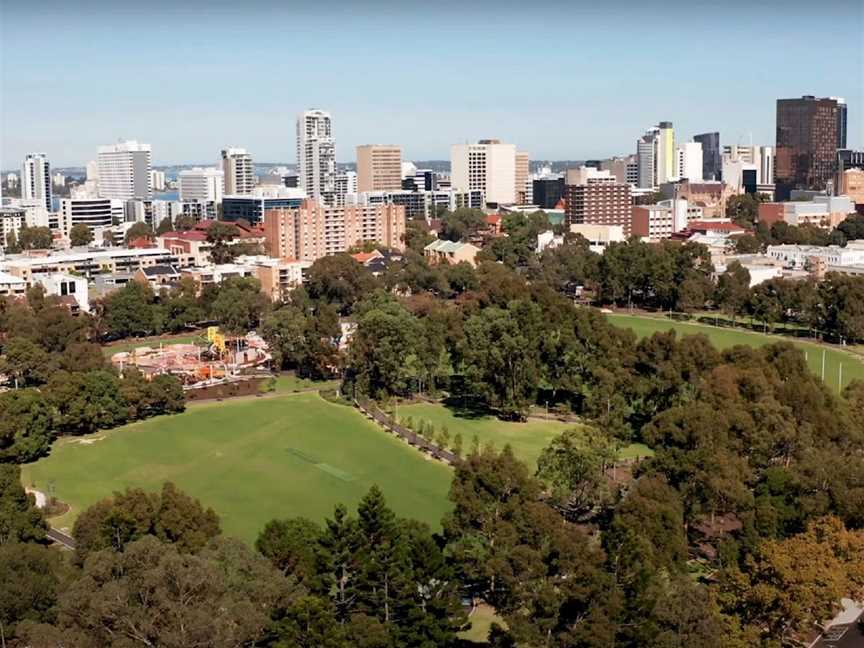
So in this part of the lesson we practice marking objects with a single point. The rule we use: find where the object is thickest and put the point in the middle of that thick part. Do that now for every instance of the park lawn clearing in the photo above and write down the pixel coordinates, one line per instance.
(289, 383)
(481, 621)
(251, 461)
(153, 343)
(527, 439)
(724, 338)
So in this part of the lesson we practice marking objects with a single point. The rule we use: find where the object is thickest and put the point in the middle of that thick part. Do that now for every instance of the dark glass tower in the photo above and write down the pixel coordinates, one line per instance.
(712, 166)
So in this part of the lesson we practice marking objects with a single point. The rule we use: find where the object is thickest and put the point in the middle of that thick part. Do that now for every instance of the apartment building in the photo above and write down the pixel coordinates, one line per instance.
(313, 230)
(238, 171)
(36, 179)
(202, 184)
(379, 167)
(524, 186)
(124, 171)
(316, 154)
(596, 197)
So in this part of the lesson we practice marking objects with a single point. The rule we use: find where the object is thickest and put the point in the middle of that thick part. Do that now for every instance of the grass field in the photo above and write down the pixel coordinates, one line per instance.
(527, 439)
(128, 345)
(251, 460)
(289, 383)
(724, 338)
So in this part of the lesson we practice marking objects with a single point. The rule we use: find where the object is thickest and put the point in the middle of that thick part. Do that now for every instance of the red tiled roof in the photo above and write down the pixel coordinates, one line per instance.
(363, 257)
(716, 227)
(189, 235)
(493, 219)
(141, 242)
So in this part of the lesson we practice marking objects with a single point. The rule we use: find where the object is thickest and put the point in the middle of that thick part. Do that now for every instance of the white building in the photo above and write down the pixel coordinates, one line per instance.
(656, 156)
(238, 172)
(488, 166)
(36, 179)
(202, 184)
(66, 285)
(738, 159)
(316, 155)
(599, 236)
(690, 161)
(12, 219)
(10, 285)
(157, 180)
(12, 181)
(95, 213)
(346, 183)
(35, 213)
(798, 256)
(58, 179)
(124, 171)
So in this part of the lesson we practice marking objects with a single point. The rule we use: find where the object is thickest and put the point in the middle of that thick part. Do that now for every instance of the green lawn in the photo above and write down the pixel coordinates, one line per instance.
(251, 460)
(128, 345)
(723, 338)
(527, 439)
(289, 383)
(481, 622)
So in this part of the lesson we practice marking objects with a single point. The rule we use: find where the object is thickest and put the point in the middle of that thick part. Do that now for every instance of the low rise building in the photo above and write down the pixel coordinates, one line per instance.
(599, 236)
(822, 211)
(443, 251)
(85, 262)
(804, 256)
(11, 285)
(71, 289)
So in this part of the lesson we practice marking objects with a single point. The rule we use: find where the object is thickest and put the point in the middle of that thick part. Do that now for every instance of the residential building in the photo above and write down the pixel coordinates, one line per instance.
(189, 248)
(595, 197)
(809, 133)
(238, 172)
(711, 162)
(251, 208)
(157, 180)
(442, 251)
(488, 166)
(313, 230)
(12, 286)
(35, 214)
(689, 161)
(316, 154)
(625, 170)
(278, 277)
(653, 222)
(153, 212)
(36, 179)
(199, 184)
(12, 219)
(11, 180)
(71, 289)
(58, 180)
(83, 262)
(124, 171)
(345, 183)
(379, 167)
(524, 190)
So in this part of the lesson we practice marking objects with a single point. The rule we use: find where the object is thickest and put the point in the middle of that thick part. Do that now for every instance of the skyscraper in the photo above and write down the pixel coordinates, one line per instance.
(689, 161)
(646, 158)
(316, 155)
(711, 161)
(201, 184)
(667, 166)
(36, 178)
(809, 133)
(379, 167)
(524, 188)
(124, 171)
(488, 166)
(238, 171)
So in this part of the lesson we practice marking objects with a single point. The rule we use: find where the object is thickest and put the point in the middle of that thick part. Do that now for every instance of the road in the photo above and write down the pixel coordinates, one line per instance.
(62, 538)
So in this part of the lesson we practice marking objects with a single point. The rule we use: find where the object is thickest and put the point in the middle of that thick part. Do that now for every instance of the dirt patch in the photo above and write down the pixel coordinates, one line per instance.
(87, 441)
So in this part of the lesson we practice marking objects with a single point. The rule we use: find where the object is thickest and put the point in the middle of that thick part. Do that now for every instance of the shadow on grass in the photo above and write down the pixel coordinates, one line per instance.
(467, 407)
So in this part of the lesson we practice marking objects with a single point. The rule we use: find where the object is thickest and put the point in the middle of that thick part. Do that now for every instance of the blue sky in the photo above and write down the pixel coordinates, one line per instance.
(562, 80)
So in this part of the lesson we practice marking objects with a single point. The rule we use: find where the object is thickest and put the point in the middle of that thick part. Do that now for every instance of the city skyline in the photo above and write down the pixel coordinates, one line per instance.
(460, 74)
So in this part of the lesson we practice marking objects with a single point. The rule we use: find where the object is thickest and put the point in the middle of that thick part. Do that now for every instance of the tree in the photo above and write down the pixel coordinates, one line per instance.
(26, 429)
(138, 230)
(128, 312)
(35, 238)
(239, 304)
(733, 289)
(290, 546)
(743, 209)
(152, 594)
(86, 402)
(461, 224)
(221, 236)
(25, 362)
(80, 234)
(29, 574)
(339, 280)
(574, 467)
(11, 245)
(171, 516)
(20, 520)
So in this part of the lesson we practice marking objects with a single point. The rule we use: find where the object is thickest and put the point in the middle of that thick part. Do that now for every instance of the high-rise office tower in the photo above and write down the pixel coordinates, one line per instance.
(316, 155)
(666, 167)
(809, 133)
(712, 163)
(124, 171)
(379, 167)
(488, 166)
(646, 158)
(524, 188)
(689, 161)
(238, 171)
(36, 179)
